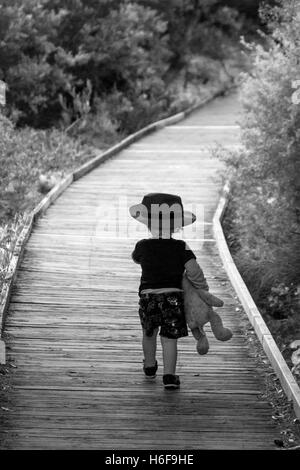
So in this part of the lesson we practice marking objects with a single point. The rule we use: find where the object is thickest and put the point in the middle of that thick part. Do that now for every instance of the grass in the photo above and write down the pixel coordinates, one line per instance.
(32, 162)
(9, 234)
(278, 302)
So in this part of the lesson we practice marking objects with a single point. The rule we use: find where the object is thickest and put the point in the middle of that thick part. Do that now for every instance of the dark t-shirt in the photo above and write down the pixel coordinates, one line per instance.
(162, 262)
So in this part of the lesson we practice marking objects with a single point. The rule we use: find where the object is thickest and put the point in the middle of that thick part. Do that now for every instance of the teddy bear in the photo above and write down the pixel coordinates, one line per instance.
(198, 309)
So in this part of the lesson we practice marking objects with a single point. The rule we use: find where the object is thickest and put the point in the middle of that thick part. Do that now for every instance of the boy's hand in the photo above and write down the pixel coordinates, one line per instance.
(209, 298)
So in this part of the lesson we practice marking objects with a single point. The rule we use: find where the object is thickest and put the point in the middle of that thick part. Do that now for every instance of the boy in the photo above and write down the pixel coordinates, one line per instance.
(163, 260)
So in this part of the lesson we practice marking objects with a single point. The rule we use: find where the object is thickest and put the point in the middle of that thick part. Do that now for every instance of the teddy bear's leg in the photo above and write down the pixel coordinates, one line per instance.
(196, 333)
(202, 341)
(209, 298)
(221, 333)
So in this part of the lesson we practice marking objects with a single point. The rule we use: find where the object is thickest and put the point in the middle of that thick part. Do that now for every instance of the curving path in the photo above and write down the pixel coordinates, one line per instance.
(73, 332)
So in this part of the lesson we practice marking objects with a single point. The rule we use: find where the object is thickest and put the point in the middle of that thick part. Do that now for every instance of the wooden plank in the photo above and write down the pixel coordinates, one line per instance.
(63, 185)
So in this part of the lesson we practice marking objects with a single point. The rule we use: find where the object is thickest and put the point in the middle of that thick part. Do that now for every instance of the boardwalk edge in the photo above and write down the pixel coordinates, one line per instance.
(264, 335)
(40, 209)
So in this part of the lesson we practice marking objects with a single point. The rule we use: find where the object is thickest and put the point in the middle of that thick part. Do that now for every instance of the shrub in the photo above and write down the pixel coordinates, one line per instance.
(52, 50)
(27, 154)
(9, 234)
(264, 213)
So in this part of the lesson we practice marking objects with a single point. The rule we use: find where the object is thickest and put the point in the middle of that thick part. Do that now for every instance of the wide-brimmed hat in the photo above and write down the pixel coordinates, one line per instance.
(157, 207)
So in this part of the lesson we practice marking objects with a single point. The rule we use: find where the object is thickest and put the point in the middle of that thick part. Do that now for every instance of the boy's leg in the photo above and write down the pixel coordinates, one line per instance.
(149, 348)
(169, 347)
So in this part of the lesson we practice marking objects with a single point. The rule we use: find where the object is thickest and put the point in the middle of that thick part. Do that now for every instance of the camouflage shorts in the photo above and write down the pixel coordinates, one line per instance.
(165, 310)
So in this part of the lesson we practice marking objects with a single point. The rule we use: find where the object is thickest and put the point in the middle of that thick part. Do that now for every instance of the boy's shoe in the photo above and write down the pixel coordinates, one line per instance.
(150, 372)
(171, 381)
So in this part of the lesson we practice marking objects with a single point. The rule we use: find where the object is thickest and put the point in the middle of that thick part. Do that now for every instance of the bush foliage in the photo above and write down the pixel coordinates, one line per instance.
(9, 234)
(263, 219)
(29, 156)
(60, 58)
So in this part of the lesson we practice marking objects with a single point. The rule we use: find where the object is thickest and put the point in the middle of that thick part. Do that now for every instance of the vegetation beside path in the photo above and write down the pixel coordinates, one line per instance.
(262, 222)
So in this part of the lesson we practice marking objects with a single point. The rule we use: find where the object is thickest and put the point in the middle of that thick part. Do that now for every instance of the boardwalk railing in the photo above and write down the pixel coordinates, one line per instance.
(279, 365)
(64, 184)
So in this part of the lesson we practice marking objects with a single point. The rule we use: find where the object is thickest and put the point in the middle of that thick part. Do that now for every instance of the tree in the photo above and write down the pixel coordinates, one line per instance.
(56, 46)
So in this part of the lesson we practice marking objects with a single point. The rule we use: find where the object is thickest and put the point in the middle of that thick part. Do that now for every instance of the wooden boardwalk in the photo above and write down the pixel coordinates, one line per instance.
(73, 329)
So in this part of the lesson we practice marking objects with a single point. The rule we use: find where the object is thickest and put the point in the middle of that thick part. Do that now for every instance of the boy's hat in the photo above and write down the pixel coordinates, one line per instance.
(162, 206)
